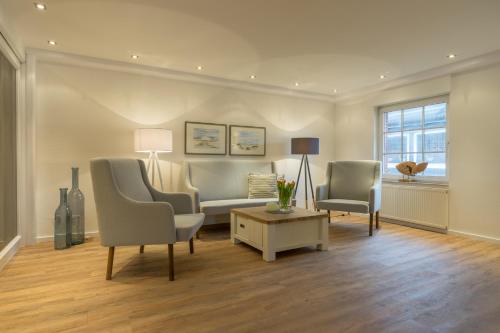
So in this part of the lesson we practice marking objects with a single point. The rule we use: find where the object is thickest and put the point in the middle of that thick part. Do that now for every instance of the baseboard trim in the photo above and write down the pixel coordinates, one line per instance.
(49, 238)
(414, 225)
(475, 236)
(9, 251)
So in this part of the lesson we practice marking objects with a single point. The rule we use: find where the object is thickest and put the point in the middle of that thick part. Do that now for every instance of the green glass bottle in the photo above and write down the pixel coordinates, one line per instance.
(62, 222)
(76, 202)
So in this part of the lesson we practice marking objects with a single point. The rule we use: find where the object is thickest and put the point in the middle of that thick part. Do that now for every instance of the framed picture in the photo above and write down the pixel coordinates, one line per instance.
(205, 138)
(247, 140)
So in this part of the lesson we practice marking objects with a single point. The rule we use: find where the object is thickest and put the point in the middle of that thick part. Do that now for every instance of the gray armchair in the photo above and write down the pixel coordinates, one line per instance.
(131, 212)
(352, 186)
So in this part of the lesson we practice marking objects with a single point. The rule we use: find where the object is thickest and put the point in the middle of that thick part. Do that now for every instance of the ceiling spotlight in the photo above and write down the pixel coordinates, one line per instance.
(252, 76)
(40, 6)
(52, 42)
(296, 84)
(199, 68)
(451, 56)
(382, 76)
(134, 56)
(334, 91)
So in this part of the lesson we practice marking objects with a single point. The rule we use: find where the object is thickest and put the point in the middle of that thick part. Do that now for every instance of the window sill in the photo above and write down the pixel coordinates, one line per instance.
(417, 182)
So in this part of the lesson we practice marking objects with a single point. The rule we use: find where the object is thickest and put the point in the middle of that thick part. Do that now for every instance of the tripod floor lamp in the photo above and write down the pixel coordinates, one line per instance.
(153, 141)
(304, 147)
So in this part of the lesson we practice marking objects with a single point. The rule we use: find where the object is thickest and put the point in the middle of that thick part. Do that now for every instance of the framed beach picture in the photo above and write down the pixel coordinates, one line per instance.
(205, 138)
(247, 140)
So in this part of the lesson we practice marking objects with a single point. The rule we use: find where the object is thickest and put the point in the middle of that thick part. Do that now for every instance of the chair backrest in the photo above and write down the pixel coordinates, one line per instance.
(352, 180)
(219, 180)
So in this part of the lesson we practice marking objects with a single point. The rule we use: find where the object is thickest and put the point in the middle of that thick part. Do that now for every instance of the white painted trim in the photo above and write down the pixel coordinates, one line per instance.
(112, 65)
(449, 69)
(26, 153)
(49, 238)
(9, 251)
(474, 236)
(8, 51)
(410, 224)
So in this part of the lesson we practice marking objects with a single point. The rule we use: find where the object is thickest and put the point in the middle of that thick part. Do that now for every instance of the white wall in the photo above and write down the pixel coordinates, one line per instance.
(473, 118)
(475, 152)
(86, 112)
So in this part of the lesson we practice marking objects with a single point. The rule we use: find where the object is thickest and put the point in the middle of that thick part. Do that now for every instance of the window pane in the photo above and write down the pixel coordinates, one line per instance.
(435, 140)
(392, 121)
(437, 164)
(412, 141)
(435, 115)
(412, 118)
(414, 157)
(392, 142)
(390, 162)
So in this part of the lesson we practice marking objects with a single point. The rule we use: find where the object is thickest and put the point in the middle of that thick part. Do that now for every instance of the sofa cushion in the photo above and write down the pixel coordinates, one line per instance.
(342, 205)
(262, 186)
(218, 180)
(216, 207)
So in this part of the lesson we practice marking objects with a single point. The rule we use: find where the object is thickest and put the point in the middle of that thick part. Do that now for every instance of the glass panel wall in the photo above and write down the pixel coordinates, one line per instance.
(8, 177)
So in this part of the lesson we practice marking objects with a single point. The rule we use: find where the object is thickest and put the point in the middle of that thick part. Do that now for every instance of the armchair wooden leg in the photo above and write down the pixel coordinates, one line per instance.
(141, 249)
(171, 262)
(111, 255)
(377, 225)
(191, 246)
(371, 224)
(329, 218)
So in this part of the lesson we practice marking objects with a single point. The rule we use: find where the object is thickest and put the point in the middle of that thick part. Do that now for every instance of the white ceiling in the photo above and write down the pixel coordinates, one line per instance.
(322, 44)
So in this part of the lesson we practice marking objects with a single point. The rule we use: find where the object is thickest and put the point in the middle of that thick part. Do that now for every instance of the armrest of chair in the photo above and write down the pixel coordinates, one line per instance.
(194, 193)
(138, 223)
(181, 202)
(322, 192)
(375, 198)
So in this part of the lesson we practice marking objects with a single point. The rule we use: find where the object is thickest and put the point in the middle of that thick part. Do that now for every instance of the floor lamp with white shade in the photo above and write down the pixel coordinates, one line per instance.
(153, 141)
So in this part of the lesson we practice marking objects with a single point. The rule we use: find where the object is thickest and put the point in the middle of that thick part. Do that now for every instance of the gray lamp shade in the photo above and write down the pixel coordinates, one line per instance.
(309, 146)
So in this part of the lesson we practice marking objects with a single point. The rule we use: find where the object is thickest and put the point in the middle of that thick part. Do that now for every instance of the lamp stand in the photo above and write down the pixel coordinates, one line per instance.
(153, 160)
(307, 174)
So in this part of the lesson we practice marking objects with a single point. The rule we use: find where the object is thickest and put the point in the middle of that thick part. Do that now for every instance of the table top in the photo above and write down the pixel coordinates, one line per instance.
(261, 215)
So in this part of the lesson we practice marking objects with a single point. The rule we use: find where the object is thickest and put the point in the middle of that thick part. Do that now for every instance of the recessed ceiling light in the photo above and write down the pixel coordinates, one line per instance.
(334, 91)
(252, 76)
(52, 42)
(451, 56)
(382, 76)
(296, 84)
(199, 68)
(40, 6)
(134, 56)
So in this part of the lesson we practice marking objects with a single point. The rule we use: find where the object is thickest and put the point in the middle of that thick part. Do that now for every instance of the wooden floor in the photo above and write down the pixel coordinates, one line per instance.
(400, 280)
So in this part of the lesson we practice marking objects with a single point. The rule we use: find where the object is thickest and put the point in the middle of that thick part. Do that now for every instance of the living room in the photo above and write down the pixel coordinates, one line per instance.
(317, 93)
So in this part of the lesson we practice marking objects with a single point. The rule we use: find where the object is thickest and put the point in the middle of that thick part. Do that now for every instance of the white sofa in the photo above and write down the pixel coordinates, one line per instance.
(219, 186)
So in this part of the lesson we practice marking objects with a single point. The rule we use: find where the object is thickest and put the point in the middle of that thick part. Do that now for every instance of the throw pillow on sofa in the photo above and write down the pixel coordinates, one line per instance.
(262, 186)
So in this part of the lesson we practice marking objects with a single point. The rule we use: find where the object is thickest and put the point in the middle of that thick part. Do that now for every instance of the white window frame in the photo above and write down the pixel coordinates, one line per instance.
(408, 105)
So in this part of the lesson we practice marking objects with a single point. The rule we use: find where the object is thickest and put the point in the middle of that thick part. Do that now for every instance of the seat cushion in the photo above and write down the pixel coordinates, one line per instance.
(186, 225)
(216, 207)
(342, 205)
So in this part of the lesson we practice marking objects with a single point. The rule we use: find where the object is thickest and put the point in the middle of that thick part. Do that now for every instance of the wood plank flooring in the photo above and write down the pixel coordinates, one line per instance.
(399, 280)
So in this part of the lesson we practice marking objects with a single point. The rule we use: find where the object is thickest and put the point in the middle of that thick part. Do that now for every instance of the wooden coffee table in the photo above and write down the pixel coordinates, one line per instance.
(273, 233)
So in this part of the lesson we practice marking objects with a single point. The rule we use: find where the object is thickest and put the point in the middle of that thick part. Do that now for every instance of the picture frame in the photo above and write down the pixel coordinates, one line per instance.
(205, 138)
(247, 140)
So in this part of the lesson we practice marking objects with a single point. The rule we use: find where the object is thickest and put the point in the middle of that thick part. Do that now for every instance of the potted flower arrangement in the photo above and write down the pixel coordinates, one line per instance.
(285, 192)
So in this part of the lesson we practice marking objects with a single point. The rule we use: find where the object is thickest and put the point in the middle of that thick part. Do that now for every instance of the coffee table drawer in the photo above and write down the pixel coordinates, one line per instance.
(249, 230)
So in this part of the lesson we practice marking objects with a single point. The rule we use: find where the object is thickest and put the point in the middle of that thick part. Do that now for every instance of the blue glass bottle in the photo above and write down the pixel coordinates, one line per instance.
(76, 202)
(62, 222)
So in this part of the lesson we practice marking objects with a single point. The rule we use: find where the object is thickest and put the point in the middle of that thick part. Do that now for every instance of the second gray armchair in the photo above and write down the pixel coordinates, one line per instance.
(352, 186)
(131, 212)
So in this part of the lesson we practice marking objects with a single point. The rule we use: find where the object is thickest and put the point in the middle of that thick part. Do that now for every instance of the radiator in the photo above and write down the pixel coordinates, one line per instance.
(418, 204)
